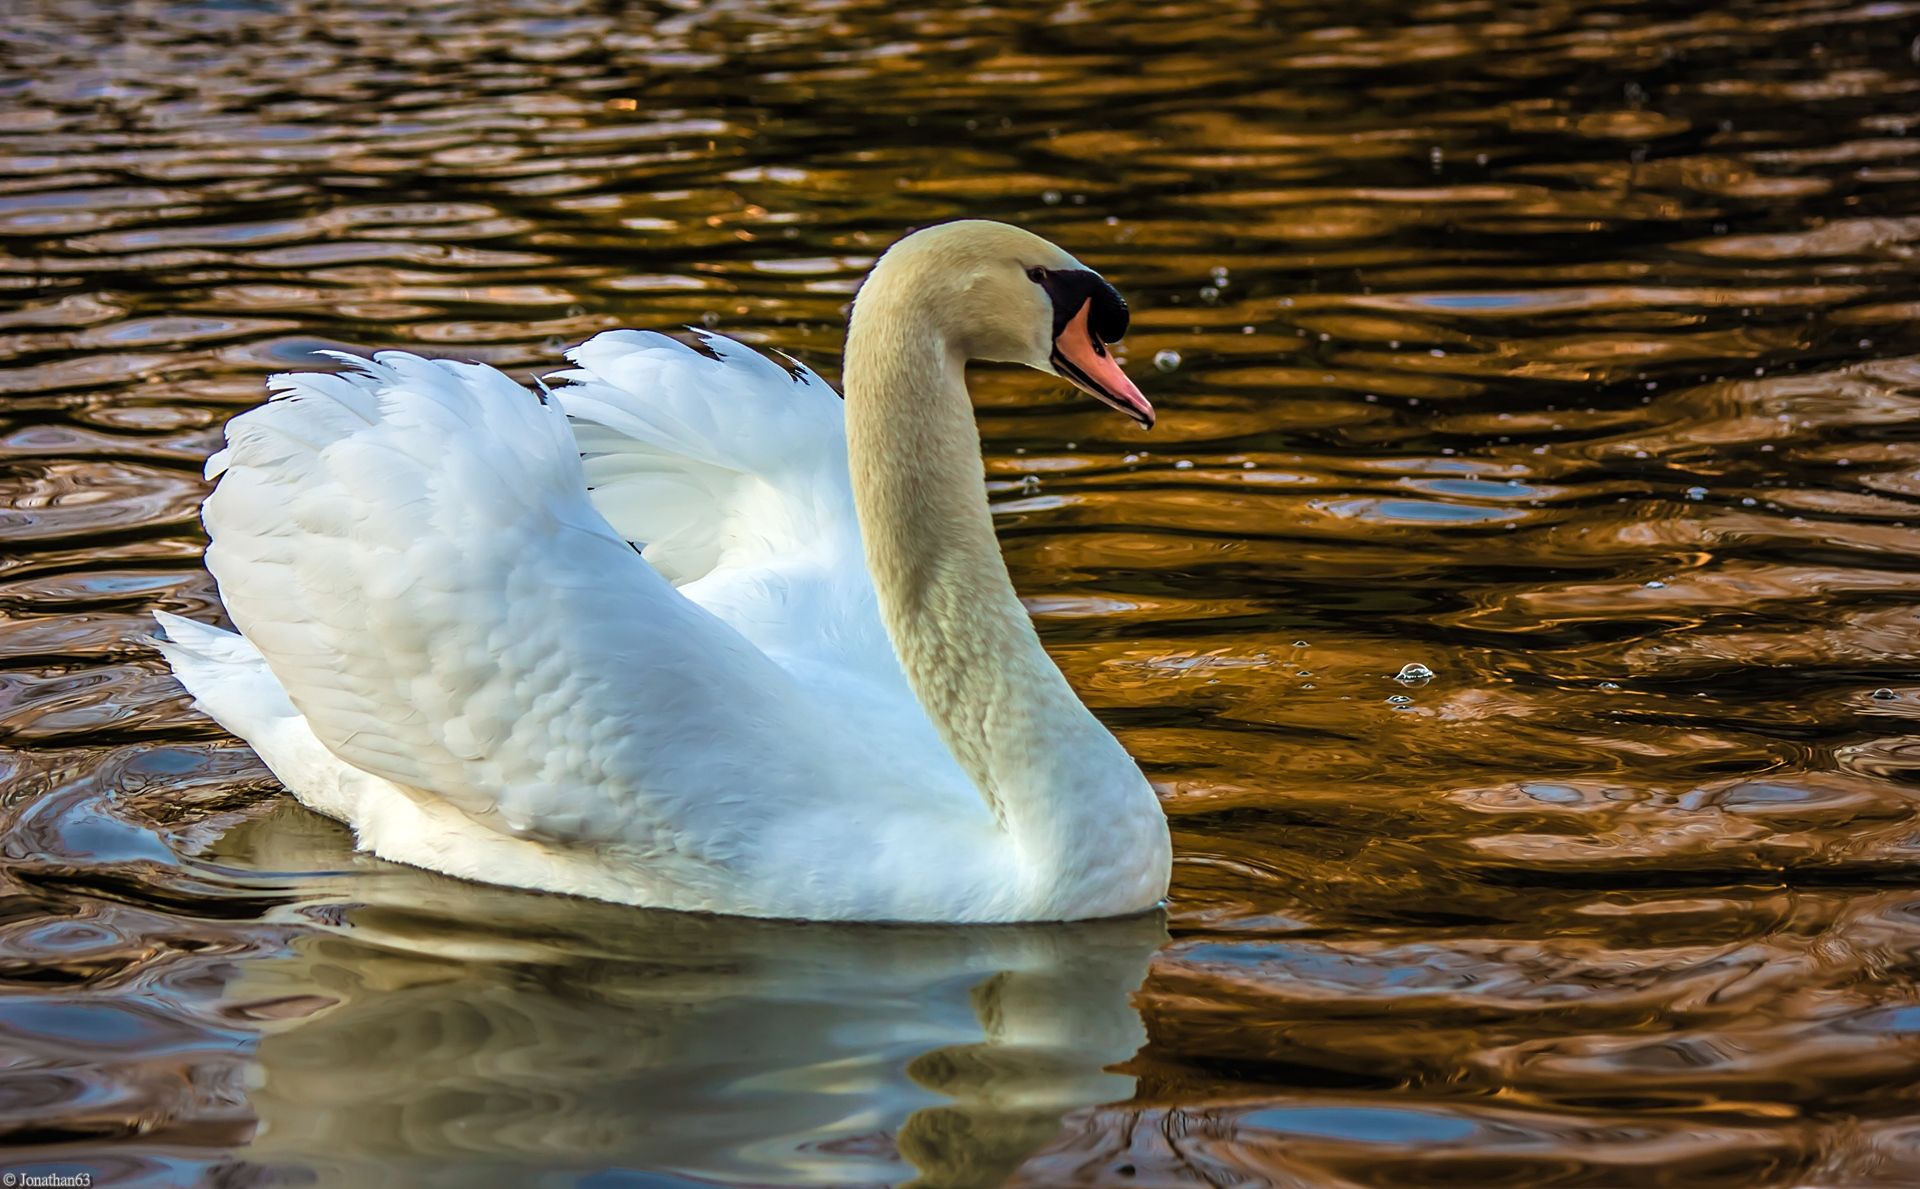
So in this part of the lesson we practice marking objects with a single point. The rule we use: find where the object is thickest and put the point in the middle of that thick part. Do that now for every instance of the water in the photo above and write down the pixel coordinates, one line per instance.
(1567, 349)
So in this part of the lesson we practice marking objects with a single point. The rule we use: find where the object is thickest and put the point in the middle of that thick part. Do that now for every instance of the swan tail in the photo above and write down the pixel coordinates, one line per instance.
(705, 459)
(226, 675)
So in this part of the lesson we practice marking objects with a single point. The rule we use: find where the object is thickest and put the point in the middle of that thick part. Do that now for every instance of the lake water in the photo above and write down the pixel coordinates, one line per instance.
(1569, 350)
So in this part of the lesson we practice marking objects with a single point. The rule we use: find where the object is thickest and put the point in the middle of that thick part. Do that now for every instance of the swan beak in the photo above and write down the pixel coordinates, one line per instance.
(1080, 358)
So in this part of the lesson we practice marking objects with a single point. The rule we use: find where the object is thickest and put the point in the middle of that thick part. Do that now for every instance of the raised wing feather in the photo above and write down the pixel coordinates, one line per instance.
(730, 471)
(411, 547)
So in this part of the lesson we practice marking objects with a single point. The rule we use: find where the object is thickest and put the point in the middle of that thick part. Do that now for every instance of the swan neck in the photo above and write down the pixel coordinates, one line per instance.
(1056, 779)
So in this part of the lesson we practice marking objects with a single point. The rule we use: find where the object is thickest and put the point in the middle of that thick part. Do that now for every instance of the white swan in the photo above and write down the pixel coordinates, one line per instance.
(816, 697)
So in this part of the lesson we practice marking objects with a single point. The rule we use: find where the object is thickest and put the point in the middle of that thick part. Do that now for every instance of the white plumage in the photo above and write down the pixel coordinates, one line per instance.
(638, 657)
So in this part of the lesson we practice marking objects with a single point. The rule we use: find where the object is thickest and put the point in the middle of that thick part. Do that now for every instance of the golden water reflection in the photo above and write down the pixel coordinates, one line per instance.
(1567, 350)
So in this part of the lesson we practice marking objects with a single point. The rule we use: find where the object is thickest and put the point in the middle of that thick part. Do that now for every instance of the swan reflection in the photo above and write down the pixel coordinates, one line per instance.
(440, 1033)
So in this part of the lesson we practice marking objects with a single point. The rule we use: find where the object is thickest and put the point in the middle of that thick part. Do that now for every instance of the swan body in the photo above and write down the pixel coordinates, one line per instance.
(686, 631)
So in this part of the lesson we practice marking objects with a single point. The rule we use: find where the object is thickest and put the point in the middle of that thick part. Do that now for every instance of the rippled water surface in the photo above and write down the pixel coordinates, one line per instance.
(1566, 349)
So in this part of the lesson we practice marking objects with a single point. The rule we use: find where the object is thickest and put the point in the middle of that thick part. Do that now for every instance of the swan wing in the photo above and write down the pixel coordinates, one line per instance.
(729, 471)
(411, 547)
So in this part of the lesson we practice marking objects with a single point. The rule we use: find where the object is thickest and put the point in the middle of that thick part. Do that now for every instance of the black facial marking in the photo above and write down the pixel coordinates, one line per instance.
(1070, 288)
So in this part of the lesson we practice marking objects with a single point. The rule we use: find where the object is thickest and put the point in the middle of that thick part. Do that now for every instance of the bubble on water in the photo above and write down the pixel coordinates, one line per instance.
(1166, 361)
(1400, 700)
(1209, 294)
(1696, 493)
(1747, 501)
(1299, 643)
(1884, 694)
(1413, 673)
(1050, 197)
(1029, 484)
(1185, 464)
(1655, 584)
(1249, 465)
(1309, 685)
(1304, 673)
(1609, 685)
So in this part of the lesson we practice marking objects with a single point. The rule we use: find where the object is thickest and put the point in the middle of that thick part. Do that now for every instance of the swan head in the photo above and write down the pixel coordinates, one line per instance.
(1005, 295)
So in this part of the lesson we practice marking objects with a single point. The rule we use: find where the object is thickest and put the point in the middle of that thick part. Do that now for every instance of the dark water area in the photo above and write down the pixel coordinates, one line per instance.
(1568, 350)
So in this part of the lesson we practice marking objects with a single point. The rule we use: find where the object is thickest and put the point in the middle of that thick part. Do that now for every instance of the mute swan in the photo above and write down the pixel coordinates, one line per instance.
(811, 692)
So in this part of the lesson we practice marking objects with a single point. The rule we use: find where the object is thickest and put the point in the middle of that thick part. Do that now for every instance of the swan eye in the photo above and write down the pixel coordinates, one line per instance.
(1037, 275)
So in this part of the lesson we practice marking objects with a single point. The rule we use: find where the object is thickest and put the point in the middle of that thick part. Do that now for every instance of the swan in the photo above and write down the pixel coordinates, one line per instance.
(685, 630)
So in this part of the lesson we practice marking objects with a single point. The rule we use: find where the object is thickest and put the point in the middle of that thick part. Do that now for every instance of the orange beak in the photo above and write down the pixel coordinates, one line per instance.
(1082, 359)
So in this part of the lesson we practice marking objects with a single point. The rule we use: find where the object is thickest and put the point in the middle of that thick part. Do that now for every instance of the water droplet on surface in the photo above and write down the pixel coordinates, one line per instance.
(1884, 694)
(1166, 361)
(1413, 673)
